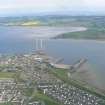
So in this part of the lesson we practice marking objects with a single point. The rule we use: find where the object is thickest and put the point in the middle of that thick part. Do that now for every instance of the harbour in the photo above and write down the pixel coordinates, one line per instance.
(68, 49)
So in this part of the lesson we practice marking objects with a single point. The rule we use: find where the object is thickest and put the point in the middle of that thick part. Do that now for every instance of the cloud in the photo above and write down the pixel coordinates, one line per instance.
(11, 6)
(41, 5)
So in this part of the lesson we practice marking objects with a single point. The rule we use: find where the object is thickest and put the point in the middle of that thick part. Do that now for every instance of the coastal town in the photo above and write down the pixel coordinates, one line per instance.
(25, 77)
(52, 52)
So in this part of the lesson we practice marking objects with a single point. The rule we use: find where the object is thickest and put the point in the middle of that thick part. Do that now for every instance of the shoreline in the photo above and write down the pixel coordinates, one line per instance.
(81, 39)
(58, 34)
(45, 31)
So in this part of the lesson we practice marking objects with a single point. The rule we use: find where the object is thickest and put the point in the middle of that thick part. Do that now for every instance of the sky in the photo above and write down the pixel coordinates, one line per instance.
(27, 7)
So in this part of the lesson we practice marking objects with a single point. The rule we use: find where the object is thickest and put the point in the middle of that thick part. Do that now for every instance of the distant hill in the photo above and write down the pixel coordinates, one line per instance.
(94, 24)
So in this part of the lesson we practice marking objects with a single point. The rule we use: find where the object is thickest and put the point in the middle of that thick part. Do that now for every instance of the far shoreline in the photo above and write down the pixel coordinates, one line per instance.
(59, 37)
(81, 39)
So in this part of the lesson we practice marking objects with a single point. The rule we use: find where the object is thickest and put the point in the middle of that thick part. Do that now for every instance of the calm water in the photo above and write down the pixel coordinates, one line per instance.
(12, 41)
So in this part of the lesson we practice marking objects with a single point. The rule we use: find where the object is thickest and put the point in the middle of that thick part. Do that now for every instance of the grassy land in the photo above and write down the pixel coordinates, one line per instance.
(46, 99)
(30, 23)
(28, 91)
(61, 73)
(88, 34)
(5, 104)
(6, 65)
(6, 75)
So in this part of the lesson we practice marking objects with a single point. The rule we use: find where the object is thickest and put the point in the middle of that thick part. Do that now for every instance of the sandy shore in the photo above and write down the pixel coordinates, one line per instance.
(51, 32)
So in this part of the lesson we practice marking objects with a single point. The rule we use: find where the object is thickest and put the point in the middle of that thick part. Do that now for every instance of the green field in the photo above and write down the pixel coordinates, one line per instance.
(5, 104)
(92, 34)
(6, 75)
(46, 99)
(6, 65)
(60, 73)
